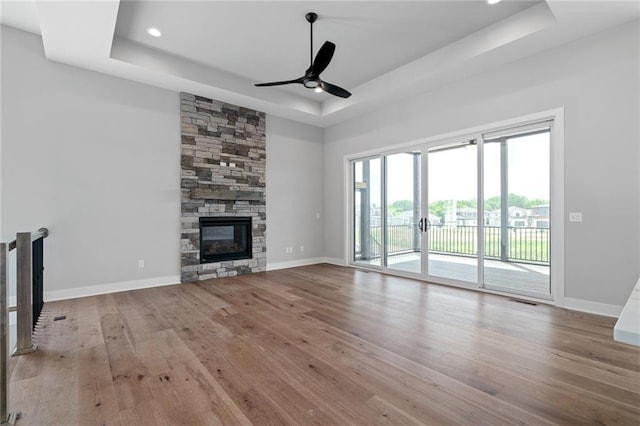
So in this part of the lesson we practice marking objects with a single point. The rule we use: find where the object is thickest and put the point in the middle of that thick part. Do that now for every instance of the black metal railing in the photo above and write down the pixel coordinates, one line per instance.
(400, 238)
(524, 244)
(38, 278)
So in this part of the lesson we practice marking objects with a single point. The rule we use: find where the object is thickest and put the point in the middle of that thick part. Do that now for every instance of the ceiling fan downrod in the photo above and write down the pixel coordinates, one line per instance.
(311, 18)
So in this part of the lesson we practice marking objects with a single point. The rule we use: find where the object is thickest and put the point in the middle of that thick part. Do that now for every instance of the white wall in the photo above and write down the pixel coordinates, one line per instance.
(596, 81)
(295, 156)
(96, 160)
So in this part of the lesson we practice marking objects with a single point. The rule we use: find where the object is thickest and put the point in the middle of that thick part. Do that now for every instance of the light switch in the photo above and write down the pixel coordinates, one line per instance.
(575, 216)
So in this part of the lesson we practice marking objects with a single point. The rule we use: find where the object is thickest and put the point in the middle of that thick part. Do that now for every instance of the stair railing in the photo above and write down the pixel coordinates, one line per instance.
(29, 300)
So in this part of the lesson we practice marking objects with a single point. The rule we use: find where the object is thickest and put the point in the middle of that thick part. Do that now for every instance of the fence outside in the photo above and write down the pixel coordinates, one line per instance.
(525, 245)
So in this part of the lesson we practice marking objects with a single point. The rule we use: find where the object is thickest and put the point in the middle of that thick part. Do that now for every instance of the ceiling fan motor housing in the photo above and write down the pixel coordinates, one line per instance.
(310, 83)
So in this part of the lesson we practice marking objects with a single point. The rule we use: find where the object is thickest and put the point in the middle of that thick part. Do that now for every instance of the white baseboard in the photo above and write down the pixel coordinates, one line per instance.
(334, 261)
(294, 263)
(73, 293)
(49, 296)
(591, 307)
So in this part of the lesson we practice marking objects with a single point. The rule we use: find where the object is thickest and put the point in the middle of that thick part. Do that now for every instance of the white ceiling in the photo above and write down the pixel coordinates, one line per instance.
(265, 41)
(386, 50)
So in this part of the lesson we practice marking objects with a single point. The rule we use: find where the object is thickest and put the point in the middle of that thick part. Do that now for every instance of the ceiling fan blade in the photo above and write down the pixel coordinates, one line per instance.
(280, 83)
(334, 90)
(323, 58)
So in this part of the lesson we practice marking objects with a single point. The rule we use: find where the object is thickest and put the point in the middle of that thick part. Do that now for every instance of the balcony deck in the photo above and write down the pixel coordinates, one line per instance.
(513, 276)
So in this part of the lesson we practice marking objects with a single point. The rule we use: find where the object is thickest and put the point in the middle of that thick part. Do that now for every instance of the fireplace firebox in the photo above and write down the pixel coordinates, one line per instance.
(225, 238)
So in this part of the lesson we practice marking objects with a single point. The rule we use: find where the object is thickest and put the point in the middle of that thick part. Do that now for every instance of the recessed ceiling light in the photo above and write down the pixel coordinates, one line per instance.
(153, 31)
(318, 89)
(493, 1)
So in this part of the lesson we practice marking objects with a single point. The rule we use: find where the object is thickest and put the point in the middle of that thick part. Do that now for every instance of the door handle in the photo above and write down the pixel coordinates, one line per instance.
(421, 224)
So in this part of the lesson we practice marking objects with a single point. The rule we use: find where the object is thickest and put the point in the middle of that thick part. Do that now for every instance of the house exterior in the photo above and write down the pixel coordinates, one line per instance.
(539, 216)
(463, 216)
(468, 216)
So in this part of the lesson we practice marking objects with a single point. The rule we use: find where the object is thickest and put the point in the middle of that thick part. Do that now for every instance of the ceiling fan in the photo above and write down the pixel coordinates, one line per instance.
(311, 78)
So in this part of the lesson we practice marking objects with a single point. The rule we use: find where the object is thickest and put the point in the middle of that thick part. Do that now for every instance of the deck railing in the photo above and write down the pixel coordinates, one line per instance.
(29, 292)
(525, 245)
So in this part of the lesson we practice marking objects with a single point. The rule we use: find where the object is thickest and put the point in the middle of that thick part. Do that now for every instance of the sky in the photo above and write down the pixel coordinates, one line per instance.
(453, 173)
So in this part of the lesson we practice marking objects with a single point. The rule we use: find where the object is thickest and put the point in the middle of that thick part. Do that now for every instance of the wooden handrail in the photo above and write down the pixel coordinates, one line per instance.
(40, 233)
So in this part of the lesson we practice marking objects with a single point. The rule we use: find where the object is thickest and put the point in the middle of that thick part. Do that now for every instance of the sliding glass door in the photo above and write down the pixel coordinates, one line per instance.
(403, 212)
(517, 227)
(474, 211)
(387, 211)
(367, 214)
(452, 224)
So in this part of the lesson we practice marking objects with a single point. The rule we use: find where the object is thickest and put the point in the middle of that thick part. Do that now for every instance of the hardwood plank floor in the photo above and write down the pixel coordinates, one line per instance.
(322, 345)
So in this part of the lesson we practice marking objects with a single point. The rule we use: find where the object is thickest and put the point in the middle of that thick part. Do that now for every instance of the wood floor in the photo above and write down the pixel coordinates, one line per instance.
(322, 345)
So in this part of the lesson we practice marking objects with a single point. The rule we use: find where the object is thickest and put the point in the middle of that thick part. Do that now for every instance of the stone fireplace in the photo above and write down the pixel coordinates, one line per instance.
(223, 164)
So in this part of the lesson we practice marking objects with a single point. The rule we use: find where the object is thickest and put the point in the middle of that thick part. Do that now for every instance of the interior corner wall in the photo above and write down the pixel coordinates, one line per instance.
(96, 159)
(596, 81)
(295, 172)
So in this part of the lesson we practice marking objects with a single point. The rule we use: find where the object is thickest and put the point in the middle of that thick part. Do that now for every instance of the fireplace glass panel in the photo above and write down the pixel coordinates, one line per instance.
(225, 238)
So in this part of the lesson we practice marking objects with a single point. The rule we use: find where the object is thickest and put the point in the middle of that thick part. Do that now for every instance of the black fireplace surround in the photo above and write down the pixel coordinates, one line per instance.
(225, 238)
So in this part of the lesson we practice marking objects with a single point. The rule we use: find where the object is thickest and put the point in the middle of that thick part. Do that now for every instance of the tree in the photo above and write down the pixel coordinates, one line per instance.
(517, 201)
(466, 203)
(536, 202)
(401, 206)
(492, 203)
(438, 208)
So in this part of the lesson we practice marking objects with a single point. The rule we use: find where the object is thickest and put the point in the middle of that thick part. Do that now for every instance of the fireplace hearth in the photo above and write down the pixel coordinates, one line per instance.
(225, 238)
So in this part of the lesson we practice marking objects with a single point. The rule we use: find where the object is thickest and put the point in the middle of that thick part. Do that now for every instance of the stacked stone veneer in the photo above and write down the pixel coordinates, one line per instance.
(222, 175)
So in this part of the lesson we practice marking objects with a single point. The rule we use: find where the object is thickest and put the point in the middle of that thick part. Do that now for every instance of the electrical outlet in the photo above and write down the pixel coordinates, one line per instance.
(288, 250)
(301, 248)
(141, 263)
(575, 216)
(317, 215)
